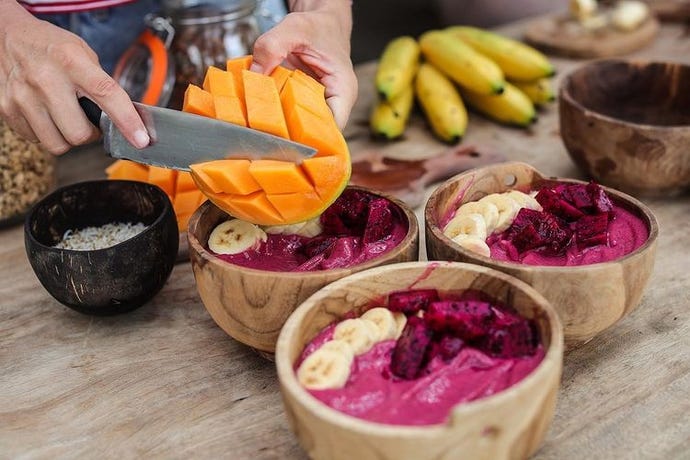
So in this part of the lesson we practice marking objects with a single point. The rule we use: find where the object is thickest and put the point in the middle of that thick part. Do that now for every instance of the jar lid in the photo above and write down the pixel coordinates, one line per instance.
(146, 71)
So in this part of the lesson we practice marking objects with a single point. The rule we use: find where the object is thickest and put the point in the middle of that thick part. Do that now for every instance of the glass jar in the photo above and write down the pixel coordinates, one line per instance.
(208, 34)
(27, 173)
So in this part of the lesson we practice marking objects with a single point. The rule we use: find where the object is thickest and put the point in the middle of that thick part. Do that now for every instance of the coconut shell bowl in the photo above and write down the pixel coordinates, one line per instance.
(509, 424)
(627, 124)
(588, 298)
(114, 279)
(251, 305)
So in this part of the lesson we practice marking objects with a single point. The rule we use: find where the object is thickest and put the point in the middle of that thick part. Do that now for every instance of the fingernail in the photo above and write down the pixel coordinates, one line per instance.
(141, 139)
(256, 67)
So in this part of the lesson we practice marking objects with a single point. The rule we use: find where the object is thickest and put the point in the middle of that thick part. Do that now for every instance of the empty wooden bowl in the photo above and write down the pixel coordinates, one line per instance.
(588, 298)
(252, 305)
(510, 424)
(114, 279)
(627, 124)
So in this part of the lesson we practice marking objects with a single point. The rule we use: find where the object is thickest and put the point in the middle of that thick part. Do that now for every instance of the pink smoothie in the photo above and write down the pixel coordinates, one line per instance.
(331, 249)
(372, 393)
(626, 233)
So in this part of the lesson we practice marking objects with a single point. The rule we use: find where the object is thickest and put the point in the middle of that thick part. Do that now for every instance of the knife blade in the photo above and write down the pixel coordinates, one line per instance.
(179, 139)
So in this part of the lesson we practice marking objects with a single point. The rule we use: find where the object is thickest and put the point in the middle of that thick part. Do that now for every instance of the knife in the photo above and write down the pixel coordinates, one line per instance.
(179, 139)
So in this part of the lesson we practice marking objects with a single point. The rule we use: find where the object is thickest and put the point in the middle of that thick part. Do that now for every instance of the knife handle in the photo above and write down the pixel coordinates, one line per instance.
(92, 111)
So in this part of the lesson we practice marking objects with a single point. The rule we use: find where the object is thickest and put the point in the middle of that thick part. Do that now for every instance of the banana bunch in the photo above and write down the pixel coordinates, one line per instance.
(500, 77)
(475, 221)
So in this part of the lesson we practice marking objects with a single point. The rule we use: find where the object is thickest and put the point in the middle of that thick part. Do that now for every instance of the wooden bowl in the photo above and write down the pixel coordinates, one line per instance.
(105, 281)
(252, 305)
(627, 124)
(588, 298)
(508, 425)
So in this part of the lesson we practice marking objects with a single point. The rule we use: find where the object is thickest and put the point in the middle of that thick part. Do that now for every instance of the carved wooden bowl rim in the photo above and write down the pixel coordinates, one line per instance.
(459, 413)
(568, 80)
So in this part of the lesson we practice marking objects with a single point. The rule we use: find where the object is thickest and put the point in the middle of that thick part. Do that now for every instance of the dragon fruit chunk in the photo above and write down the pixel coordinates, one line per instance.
(412, 300)
(318, 245)
(379, 221)
(601, 201)
(347, 215)
(448, 347)
(511, 340)
(465, 319)
(411, 348)
(551, 202)
(592, 230)
(580, 197)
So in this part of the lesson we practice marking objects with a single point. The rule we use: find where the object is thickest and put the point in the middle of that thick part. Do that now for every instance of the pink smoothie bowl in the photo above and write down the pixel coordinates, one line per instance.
(508, 424)
(589, 298)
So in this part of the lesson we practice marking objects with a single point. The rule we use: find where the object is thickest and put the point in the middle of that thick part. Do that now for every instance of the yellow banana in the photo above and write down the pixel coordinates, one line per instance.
(539, 91)
(441, 103)
(461, 62)
(512, 107)
(388, 119)
(517, 60)
(397, 67)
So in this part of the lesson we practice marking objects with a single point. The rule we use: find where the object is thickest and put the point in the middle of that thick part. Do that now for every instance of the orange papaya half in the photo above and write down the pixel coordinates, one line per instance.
(269, 192)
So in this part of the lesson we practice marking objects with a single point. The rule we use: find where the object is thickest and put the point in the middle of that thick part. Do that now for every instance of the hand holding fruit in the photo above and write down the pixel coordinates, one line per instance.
(315, 38)
(43, 71)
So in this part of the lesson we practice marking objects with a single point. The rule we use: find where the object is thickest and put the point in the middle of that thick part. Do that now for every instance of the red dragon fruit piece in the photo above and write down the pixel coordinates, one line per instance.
(592, 230)
(412, 300)
(510, 342)
(553, 231)
(411, 348)
(379, 221)
(554, 204)
(580, 197)
(533, 229)
(318, 245)
(465, 319)
(448, 347)
(601, 201)
(347, 215)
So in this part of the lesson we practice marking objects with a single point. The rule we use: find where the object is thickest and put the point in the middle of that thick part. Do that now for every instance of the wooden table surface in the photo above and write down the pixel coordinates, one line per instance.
(165, 381)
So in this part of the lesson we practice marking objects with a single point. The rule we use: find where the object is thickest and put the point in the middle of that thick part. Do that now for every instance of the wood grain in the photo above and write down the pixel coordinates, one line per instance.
(627, 124)
(509, 425)
(561, 35)
(166, 382)
(252, 305)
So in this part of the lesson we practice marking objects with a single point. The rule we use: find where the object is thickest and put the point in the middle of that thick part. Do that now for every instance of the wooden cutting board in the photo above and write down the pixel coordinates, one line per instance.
(564, 36)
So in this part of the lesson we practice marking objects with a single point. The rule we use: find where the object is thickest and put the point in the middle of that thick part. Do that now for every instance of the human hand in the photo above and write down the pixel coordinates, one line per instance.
(316, 40)
(43, 71)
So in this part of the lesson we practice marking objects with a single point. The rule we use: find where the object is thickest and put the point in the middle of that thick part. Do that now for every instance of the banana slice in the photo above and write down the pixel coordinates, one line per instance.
(288, 229)
(235, 236)
(507, 209)
(360, 334)
(339, 346)
(324, 369)
(524, 200)
(488, 210)
(474, 244)
(309, 228)
(384, 321)
(401, 321)
(466, 224)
